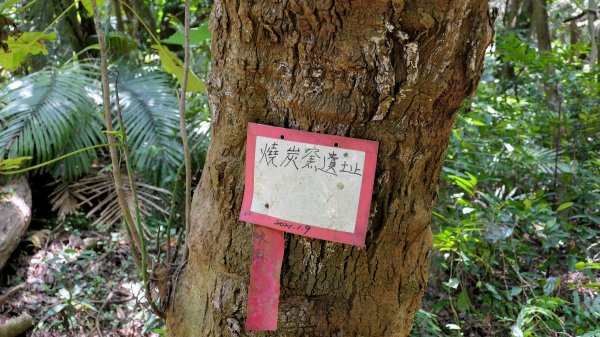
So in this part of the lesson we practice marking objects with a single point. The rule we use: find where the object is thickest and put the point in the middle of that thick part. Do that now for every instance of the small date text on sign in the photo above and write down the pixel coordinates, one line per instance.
(308, 183)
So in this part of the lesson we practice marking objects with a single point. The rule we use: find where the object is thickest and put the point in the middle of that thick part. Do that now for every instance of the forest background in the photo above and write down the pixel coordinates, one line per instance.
(517, 222)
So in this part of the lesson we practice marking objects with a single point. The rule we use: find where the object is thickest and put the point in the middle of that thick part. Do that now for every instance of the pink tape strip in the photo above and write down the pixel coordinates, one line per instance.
(264, 289)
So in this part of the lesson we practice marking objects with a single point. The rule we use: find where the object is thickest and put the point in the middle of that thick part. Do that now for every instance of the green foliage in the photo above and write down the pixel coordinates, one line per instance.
(149, 108)
(6, 4)
(12, 163)
(88, 5)
(173, 65)
(197, 36)
(49, 113)
(516, 223)
(19, 47)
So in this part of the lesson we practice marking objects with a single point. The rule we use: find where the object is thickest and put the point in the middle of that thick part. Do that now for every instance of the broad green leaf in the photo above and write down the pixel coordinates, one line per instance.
(493, 290)
(515, 291)
(463, 300)
(29, 43)
(565, 206)
(452, 283)
(197, 36)
(173, 65)
(496, 232)
(64, 293)
(88, 5)
(55, 310)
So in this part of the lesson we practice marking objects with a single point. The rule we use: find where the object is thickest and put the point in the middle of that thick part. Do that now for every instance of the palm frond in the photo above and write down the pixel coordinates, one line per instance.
(98, 192)
(87, 135)
(64, 198)
(541, 160)
(49, 113)
(149, 107)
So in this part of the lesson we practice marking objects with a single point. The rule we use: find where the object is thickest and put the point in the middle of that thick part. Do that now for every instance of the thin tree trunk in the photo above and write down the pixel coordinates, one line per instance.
(542, 31)
(395, 72)
(592, 14)
(552, 96)
(517, 14)
(516, 19)
(119, 15)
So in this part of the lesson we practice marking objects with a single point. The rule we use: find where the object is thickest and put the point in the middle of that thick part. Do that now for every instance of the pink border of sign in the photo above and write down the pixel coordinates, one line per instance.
(364, 203)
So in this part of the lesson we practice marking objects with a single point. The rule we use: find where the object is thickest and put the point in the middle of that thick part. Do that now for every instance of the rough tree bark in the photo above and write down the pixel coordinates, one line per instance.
(391, 71)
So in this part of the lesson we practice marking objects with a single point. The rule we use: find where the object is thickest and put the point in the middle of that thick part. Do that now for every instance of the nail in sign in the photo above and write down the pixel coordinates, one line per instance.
(303, 183)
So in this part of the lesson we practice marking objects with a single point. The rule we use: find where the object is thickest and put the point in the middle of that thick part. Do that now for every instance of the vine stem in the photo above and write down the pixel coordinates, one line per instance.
(134, 236)
(136, 205)
(183, 130)
(52, 161)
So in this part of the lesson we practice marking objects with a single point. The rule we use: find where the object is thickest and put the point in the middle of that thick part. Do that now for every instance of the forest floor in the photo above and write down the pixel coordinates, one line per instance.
(76, 283)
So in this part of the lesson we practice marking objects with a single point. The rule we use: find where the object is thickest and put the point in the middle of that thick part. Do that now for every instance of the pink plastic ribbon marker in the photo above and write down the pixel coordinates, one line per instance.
(263, 292)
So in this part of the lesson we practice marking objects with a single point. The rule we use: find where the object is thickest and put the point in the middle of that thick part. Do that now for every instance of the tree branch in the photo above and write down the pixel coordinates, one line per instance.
(580, 15)
(183, 129)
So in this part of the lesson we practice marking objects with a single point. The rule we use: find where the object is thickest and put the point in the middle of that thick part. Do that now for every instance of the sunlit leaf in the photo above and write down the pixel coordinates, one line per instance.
(452, 327)
(10, 164)
(587, 265)
(452, 283)
(565, 206)
(496, 232)
(29, 43)
(174, 66)
(88, 5)
(197, 36)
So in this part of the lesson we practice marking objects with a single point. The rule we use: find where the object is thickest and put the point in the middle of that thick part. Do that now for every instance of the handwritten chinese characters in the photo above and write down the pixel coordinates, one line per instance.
(306, 183)
(308, 157)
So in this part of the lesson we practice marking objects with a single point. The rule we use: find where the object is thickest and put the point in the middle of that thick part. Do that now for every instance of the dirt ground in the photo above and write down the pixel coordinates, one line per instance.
(76, 283)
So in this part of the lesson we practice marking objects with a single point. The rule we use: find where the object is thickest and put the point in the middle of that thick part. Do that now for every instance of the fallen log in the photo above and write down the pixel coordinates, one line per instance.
(15, 216)
(16, 325)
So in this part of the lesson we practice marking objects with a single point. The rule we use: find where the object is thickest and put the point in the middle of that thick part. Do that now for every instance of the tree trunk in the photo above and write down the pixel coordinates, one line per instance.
(591, 18)
(516, 16)
(542, 31)
(119, 16)
(392, 71)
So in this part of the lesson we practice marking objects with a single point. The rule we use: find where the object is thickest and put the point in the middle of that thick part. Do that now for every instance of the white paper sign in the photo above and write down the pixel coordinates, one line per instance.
(307, 183)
